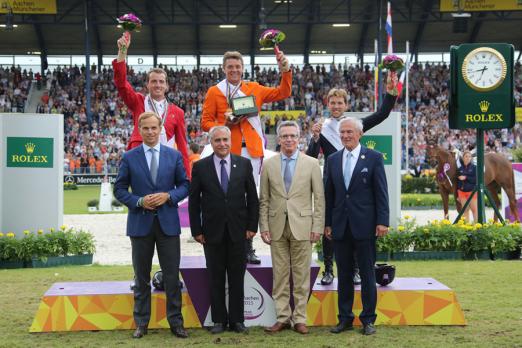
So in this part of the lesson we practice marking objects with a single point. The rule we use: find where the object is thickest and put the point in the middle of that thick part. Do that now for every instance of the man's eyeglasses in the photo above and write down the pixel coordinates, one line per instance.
(289, 136)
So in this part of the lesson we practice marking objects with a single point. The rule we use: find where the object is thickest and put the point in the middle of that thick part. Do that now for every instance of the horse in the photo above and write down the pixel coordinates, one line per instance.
(499, 174)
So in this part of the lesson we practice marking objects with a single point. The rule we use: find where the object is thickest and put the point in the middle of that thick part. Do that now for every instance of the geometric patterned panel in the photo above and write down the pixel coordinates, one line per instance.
(103, 312)
(433, 307)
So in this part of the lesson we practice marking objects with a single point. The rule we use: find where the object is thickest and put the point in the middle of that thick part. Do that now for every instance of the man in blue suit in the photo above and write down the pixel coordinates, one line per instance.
(357, 212)
(157, 179)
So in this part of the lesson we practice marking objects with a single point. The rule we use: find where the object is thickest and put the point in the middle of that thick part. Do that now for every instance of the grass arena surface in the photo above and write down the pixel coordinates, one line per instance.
(489, 292)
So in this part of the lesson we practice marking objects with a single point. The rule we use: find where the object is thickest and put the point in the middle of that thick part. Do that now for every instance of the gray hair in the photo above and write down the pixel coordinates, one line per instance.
(215, 129)
(357, 122)
(288, 124)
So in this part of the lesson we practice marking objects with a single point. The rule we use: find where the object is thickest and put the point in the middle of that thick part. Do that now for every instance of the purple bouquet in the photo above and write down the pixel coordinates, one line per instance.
(270, 38)
(392, 62)
(130, 22)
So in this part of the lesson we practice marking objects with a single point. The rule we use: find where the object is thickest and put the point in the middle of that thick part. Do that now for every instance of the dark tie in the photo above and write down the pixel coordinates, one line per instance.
(153, 165)
(287, 176)
(224, 176)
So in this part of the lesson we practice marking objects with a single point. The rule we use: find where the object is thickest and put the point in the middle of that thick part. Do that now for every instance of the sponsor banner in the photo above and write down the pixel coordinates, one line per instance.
(290, 115)
(89, 179)
(480, 5)
(29, 152)
(518, 114)
(381, 143)
(28, 6)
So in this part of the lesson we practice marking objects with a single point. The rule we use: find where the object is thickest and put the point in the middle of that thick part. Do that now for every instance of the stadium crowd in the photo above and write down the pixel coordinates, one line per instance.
(95, 144)
(14, 88)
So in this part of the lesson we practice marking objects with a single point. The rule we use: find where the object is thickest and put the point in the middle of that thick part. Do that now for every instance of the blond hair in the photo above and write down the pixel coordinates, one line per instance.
(232, 55)
(146, 115)
(158, 71)
(337, 92)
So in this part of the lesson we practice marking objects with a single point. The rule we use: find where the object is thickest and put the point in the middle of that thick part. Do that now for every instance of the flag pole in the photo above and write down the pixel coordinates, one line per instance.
(376, 77)
(407, 105)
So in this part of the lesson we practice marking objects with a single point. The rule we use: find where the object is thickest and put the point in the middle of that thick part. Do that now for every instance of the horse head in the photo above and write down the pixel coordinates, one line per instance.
(432, 152)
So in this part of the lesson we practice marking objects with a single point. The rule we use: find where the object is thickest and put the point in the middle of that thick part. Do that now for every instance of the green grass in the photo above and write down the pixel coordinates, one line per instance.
(75, 201)
(489, 292)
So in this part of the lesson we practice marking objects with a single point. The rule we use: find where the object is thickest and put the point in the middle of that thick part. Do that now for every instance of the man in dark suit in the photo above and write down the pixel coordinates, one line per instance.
(157, 179)
(326, 138)
(357, 211)
(224, 212)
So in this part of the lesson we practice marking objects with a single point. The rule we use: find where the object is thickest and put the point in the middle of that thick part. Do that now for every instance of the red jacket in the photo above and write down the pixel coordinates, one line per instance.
(174, 123)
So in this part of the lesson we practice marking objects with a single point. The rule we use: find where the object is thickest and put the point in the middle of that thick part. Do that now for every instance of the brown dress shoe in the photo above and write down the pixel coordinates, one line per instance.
(301, 328)
(278, 326)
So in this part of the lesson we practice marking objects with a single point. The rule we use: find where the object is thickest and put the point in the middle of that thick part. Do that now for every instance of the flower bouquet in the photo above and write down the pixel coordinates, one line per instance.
(271, 38)
(392, 63)
(129, 22)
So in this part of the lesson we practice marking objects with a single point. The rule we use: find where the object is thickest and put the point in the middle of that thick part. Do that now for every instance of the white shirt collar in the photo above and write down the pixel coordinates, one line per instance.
(155, 147)
(355, 152)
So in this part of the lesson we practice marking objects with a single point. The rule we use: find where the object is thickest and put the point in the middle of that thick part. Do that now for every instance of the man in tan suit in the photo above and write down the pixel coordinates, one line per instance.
(291, 219)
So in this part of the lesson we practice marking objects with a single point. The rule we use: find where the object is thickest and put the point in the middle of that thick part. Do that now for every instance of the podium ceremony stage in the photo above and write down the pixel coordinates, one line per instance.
(78, 306)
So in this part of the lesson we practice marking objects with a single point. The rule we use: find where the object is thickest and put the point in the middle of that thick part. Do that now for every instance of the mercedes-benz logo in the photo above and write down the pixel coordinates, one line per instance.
(69, 179)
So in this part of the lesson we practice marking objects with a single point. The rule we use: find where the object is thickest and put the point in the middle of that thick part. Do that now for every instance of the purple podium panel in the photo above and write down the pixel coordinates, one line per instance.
(259, 305)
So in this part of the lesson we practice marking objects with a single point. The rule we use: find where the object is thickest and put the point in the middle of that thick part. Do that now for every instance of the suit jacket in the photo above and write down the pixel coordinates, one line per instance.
(174, 121)
(304, 203)
(365, 204)
(211, 210)
(216, 104)
(134, 173)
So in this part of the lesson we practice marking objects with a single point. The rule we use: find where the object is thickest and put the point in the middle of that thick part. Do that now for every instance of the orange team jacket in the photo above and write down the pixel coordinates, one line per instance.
(215, 106)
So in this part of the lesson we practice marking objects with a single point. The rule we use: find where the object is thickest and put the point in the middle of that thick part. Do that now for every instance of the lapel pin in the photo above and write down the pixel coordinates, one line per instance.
(234, 166)
(363, 157)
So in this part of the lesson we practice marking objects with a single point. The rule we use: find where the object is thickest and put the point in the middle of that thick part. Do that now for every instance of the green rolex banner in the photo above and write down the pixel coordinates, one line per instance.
(380, 143)
(30, 152)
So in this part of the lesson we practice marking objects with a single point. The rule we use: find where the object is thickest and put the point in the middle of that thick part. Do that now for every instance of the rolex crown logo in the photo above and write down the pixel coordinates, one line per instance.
(371, 144)
(29, 147)
(484, 106)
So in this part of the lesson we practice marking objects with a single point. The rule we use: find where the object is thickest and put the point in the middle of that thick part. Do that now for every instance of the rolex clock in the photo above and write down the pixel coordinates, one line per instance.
(484, 69)
(481, 86)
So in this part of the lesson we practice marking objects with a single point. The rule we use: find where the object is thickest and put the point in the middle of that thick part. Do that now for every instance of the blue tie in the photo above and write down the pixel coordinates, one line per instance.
(153, 165)
(347, 170)
(224, 176)
(287, 176)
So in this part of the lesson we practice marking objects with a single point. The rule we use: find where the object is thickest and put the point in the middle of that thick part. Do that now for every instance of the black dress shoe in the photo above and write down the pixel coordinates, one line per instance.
(140, 332)
(252, 258)
(217, 328)
(369, 329)
(356, 279)
(239, 328)
(327, 278)
(179, 331)
(342, 326)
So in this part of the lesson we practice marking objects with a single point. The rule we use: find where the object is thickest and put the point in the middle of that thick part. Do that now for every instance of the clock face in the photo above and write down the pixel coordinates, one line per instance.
(484, 69)
(243, 103)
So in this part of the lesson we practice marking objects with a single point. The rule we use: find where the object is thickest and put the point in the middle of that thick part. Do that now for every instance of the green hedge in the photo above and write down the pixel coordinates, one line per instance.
(423, 184)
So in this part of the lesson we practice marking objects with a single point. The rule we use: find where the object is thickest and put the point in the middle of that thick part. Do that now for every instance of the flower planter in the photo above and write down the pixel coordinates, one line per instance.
(92, 209)
(428, 255)
(515, 254)
(54, 261)
(117, 208)
(383, 256)
(11, 264)
(477, 255)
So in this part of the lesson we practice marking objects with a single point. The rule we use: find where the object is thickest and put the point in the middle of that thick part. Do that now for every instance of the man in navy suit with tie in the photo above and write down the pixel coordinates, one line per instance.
(157, 179)
(224, 212)
(357, 212)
